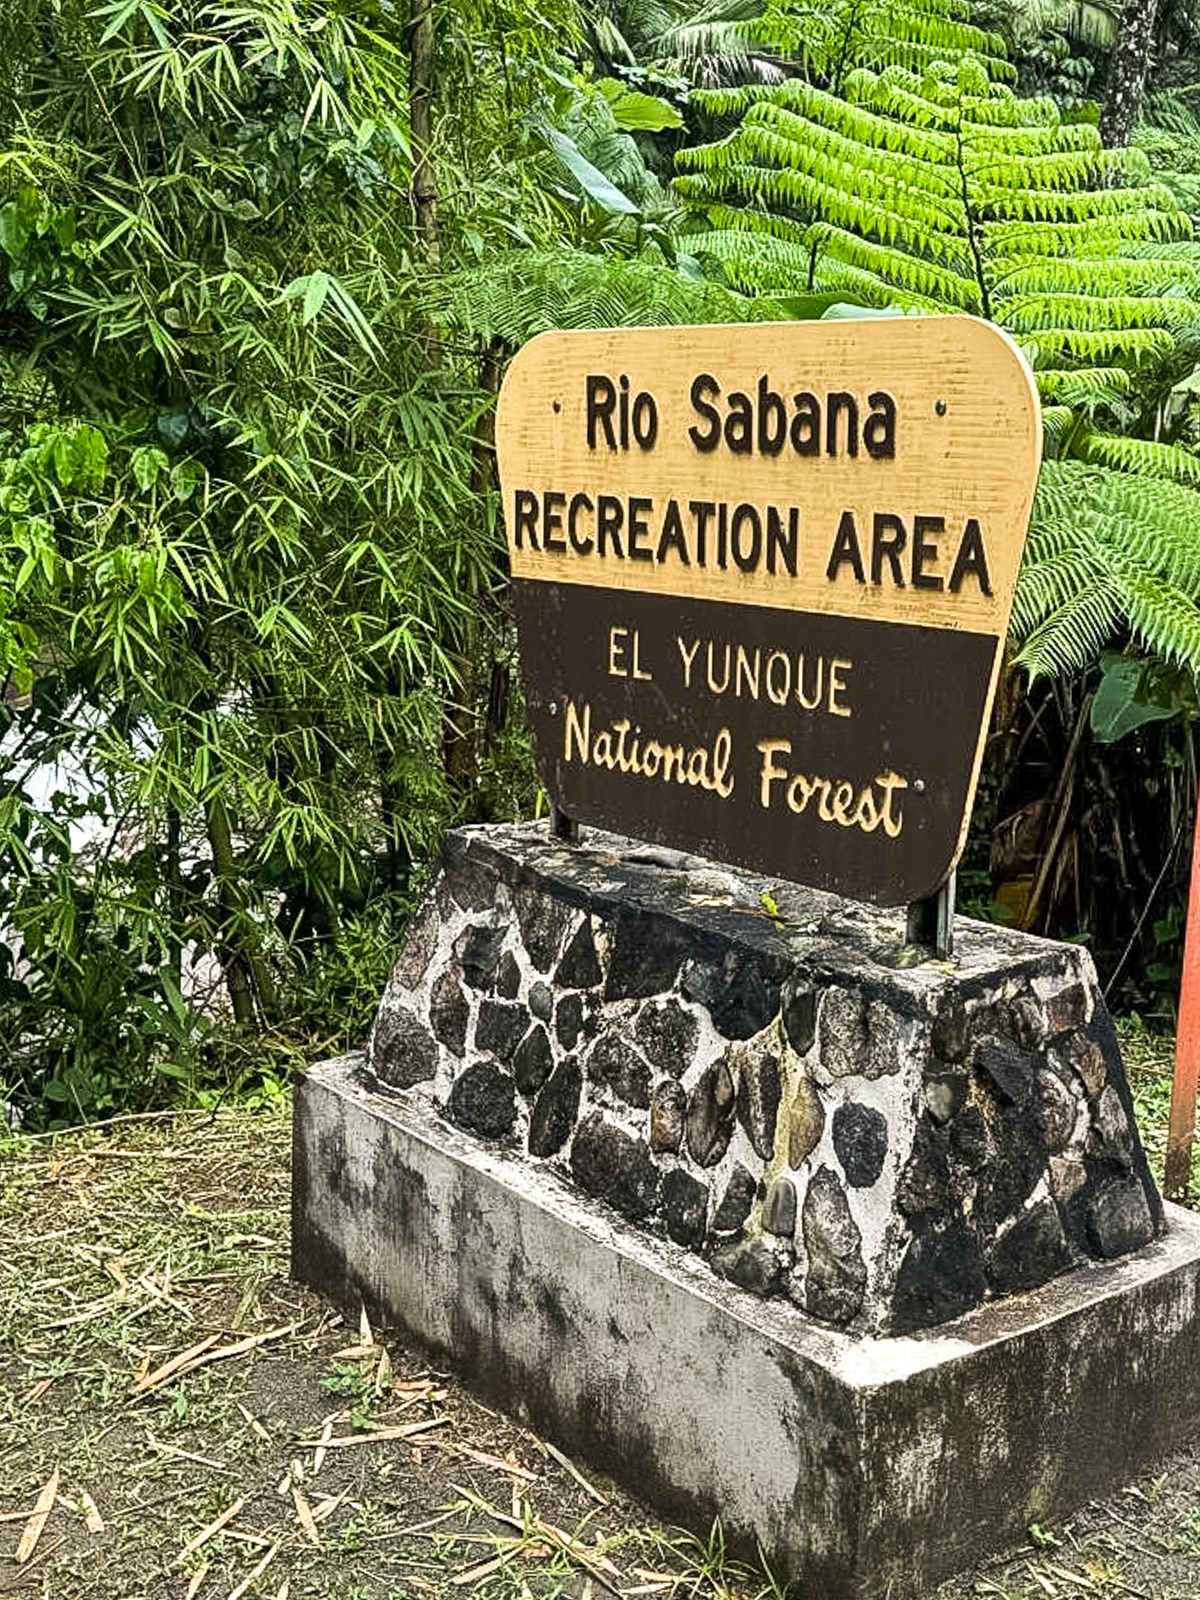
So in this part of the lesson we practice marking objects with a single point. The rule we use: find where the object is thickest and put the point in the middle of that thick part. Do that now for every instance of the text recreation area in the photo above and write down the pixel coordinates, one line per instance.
(763, 577)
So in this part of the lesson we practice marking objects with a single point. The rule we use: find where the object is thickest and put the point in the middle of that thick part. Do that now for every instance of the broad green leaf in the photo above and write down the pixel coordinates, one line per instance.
(841, 310)
(314, 295)
(638, 112)
(589, 178)
(15, 228)
(1121, 704)
(146, 463)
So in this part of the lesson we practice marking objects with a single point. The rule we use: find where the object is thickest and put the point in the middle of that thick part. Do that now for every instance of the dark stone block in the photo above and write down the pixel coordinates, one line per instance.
(420, 938)
(1110, 1138)
(842, 1030)
(667, 1106)
(806, 1122)
(613, 1167)
(1030, 1253)
(736, 1202)
(1018, 1159)
(1067, 1008)
(1026, 1024)
(1086, 1056)
(945, 1095)
(1006, 1069)
(541, 1001)
(860, 1142)
(471, 882)
(940, 1277)
(740, 997)
(924, 1187)
(1100, 1030)
(580, 965)
(1055, 1108)
(572, 1019)
(1118, 1219)
(779, 1209)
(684, 1208)
(616, 1063)
(799, 1009)
(556, 1109)
(478, 951)
(508, 977)
(403, 1052)
(646, 954)
(857, 1036)
(449, 1011)
(710, 1116)
(667, 1035)
(951, 1037)
(751, 1264)
(970, 1142)
(543, 923)
(760, 1089)
(836, 1280)
(533, 1060)
(482, 1100)
(499, 1028)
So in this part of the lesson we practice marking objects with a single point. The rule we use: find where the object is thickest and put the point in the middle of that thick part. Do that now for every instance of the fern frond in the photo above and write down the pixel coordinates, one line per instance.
(1083, 386)
(1141, 455)
(1057, 422)
(759, 262)
(1083, 312)
(1108, 550)
(1074, 633)
(1165, 620)
(898, 268)
(525, 292)
(1135, 344)
(1102, 275)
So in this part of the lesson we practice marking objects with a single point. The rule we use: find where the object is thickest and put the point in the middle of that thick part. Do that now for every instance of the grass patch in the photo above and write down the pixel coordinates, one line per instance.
(236, 1437)
(289, 1452)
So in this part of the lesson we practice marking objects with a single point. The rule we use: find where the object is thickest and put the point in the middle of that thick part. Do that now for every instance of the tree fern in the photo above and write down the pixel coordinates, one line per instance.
(527, 292)
(929, 185)
(1108, 551)
(943, 189)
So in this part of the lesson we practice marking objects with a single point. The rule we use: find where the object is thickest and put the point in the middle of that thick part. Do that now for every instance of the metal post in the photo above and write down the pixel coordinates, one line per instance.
(1182, 1127)
(930, 923)
(562, 826)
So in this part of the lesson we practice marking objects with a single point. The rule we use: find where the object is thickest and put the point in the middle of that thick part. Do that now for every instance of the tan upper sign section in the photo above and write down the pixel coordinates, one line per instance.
(881, 468)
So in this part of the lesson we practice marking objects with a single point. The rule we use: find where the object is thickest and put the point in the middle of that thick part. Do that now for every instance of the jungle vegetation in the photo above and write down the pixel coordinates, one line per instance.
(262, 263)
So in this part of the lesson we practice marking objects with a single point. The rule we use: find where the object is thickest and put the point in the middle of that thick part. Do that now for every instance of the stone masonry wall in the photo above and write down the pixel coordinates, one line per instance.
(760, 1074)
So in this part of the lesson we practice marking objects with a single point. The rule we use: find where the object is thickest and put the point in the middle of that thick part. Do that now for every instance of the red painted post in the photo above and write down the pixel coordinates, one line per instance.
(1182, 1127)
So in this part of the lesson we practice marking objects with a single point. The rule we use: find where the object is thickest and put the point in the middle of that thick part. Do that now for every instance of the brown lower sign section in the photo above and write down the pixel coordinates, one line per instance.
(824, 749)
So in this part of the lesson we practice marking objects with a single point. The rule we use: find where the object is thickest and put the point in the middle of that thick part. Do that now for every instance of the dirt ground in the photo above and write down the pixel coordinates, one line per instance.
(196, 1427)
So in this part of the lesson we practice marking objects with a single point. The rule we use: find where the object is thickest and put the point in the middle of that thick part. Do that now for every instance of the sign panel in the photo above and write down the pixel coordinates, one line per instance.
(763, 576)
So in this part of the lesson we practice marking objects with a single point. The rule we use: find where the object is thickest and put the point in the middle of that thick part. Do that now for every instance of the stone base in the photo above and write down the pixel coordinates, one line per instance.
(767, 1075)
(860, 1467)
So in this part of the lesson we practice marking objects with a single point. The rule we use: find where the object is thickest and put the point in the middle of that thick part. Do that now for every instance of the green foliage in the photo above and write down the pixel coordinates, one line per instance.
(931, 187)
(943, 191)
(1108, 549)
(249, 577)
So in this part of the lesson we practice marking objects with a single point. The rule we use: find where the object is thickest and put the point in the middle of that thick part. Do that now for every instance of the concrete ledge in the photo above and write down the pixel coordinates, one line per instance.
(862, 1467)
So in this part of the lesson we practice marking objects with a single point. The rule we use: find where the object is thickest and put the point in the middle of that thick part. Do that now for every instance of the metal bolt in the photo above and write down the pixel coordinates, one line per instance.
(554, 708)
(939, 406)
(919, 786)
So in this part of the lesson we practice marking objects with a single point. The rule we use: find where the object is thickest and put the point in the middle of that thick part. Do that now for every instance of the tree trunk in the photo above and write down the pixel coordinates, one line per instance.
(1128, 71)
(420, 113)
(246, 976)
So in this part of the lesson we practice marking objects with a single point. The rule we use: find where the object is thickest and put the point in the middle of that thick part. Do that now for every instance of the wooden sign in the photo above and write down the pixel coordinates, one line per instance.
(763, 576)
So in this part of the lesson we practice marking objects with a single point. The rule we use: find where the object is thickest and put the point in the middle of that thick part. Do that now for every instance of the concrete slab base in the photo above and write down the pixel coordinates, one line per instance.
(863, 1469)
